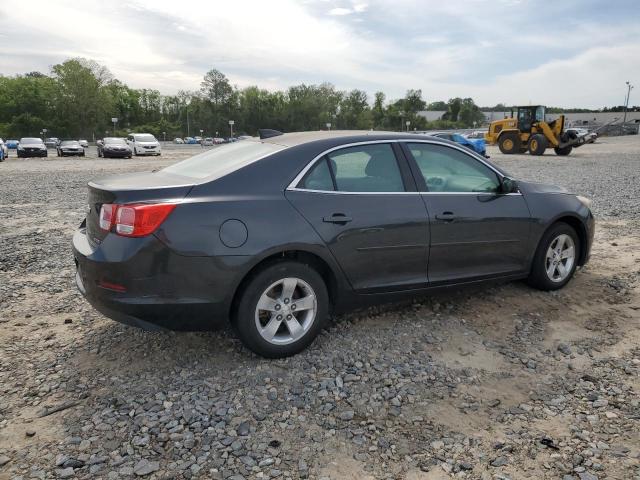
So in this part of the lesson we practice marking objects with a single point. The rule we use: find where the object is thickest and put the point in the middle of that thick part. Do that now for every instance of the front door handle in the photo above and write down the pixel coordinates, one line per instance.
(340, 218)
(446, 217)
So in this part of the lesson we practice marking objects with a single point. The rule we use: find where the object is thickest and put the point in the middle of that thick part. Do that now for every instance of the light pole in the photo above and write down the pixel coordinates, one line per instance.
(626, 102)
(407, 123)
(201, 139)
(164, 135)
(328, 126)
(231, 124)
(44, 132)
(114, 120)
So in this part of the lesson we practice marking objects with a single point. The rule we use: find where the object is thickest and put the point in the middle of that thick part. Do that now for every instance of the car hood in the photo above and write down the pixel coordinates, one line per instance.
(533, 187)
(149, 144)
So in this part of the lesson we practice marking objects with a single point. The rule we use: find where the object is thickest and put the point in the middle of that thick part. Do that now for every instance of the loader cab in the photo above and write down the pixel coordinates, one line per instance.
(527, 116)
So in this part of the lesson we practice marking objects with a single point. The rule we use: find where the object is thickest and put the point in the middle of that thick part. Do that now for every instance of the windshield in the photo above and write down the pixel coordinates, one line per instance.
(221, 161)
(145, 138)
(69, 142)
(114, 140)
(30, 140)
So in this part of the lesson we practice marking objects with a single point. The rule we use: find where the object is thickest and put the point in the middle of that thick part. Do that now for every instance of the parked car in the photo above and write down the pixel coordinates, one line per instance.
(12, 144)
(190, 140)
(51, 142)
(69, 148)
(276, 233)
(178, 141)
(143, 144)
(476, 134)
(590, 137)
(114, 147)
(4, 151)
(218, 140)
(31, 147)
(198, 139)
(83, 143)
(207, 142)
(477, 145)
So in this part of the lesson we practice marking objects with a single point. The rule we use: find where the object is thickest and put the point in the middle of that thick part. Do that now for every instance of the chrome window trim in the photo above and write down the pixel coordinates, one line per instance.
(292, 186)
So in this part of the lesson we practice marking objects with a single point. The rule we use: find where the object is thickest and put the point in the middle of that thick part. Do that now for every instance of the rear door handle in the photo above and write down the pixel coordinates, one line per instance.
(446, 217)
(337, 218)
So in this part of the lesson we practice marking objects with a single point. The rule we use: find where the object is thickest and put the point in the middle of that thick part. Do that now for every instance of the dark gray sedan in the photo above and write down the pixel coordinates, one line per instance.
(275, 234)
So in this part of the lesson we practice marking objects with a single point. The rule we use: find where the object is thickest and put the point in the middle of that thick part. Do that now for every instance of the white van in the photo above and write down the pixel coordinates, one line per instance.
(143, 144)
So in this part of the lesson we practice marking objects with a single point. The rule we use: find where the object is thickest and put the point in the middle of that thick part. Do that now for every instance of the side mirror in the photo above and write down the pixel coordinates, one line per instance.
(508, 185)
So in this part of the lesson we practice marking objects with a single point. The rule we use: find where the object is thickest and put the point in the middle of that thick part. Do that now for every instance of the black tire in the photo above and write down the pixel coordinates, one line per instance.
(245, 319)
(538, 277)
(563, 152)
(509, 143)
(538, 144)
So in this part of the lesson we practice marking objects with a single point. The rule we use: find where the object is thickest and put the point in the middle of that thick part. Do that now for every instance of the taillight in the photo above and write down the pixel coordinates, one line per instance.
(137, 220)
(107, 216)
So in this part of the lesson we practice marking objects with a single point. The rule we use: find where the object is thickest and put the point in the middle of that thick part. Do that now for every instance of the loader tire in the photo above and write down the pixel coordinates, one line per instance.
(563, 151)
(509, 143)
(537, 144)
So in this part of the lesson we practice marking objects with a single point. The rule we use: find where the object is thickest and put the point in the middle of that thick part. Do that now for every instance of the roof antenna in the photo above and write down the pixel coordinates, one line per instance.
(268, 133)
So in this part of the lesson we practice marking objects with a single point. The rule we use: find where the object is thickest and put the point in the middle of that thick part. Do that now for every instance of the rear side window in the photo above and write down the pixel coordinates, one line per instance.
(319, 177)
(366, 168)
(223, 160)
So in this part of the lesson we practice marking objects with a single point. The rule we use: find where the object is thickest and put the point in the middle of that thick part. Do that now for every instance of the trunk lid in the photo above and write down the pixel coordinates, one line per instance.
(156, 187)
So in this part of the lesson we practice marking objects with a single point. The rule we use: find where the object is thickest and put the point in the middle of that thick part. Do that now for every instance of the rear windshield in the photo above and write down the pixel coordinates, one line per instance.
(69, 142)
(221, 161)
(30, 140)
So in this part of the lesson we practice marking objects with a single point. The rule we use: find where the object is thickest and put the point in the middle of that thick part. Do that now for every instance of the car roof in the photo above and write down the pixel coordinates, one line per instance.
(341, 137)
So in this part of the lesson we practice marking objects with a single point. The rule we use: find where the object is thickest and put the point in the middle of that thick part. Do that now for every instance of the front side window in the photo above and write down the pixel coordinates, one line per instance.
(366, 168)
(447, 169)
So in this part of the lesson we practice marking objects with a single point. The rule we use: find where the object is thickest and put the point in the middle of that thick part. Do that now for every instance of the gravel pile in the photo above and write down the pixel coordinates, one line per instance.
(495, 382)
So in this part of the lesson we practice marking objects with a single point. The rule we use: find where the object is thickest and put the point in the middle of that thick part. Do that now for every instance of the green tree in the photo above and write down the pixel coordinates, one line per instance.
(354, 111)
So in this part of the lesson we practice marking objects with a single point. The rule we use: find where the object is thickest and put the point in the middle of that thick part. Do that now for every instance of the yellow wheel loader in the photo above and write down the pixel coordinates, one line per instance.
(527, 129)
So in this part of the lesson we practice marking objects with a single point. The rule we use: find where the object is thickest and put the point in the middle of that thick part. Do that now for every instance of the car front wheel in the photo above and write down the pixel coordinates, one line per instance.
(282, 309)
(556, 258)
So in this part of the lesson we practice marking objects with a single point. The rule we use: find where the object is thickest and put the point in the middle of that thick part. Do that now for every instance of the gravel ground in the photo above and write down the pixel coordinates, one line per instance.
(494, 382)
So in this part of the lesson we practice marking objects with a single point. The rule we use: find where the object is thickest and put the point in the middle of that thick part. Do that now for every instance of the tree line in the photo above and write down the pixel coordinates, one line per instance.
(79, 98)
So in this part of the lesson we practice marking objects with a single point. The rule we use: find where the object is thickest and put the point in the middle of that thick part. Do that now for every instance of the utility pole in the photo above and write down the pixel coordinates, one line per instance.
(626, 102)
(188, 131)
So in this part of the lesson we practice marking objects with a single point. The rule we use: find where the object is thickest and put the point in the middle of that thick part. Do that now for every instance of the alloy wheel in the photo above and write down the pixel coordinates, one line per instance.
(560, 258)
(286, 311)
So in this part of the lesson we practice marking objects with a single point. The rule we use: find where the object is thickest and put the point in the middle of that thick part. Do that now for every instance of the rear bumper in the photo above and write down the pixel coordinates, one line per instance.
(143, 283)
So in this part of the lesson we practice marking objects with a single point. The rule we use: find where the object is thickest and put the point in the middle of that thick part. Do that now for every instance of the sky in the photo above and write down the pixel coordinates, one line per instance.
(568, 53)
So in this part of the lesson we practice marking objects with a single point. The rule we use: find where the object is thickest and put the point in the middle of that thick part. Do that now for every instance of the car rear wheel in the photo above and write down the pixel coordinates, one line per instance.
(282, 309)
(556, 258)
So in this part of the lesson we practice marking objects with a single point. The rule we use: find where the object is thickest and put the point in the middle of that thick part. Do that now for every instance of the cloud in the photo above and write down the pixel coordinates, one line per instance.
(340, 11)
(571, 54)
